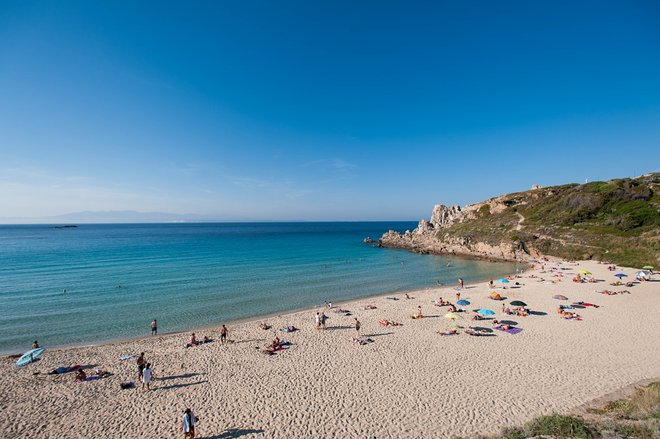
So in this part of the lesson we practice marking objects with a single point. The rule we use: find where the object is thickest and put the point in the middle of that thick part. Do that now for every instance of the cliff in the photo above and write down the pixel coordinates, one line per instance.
(617, 221)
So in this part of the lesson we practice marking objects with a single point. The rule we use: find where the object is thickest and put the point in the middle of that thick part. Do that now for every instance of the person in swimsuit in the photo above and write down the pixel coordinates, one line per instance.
(154, 327)
(35, 345)
(223, 334)
(357, 326)
(140, 364)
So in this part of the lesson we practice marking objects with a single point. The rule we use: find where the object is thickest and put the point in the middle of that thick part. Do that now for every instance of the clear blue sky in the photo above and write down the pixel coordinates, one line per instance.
(274, 110)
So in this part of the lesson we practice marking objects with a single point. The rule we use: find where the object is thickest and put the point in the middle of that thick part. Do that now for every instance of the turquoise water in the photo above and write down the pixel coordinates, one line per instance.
(119, 277)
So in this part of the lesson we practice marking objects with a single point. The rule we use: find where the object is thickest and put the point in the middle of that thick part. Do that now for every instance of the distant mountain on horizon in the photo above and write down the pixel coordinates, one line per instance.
(117, 217)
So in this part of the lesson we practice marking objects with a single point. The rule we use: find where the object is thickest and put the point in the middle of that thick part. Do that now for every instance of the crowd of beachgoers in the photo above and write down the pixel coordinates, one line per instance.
(408, 361)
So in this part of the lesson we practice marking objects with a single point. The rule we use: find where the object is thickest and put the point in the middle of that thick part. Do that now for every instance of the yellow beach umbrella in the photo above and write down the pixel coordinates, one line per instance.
(453, 316)
(585, 272)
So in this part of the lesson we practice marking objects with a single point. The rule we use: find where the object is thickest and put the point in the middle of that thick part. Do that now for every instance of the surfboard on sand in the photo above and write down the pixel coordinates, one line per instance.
(29, 357)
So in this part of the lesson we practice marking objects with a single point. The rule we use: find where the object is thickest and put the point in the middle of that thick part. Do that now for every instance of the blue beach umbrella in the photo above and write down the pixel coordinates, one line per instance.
(620, 275)
(502, 281)
(485, 312)
(462, 302)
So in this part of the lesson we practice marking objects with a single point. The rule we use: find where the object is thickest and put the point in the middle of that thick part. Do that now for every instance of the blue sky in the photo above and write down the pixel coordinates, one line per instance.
(267, 110)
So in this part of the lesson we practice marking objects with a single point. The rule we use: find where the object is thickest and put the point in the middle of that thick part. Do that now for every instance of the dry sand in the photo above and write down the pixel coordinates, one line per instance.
(409, 383)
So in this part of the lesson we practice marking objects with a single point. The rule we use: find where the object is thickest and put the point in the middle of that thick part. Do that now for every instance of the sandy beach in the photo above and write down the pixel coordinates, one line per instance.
(405, 382)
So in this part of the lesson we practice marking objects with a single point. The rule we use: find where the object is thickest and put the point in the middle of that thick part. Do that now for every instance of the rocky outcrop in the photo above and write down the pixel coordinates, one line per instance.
(443, 216)
(431, 237)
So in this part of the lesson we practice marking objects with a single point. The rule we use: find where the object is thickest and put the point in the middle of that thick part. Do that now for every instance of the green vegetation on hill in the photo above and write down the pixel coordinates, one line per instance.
(616, 221)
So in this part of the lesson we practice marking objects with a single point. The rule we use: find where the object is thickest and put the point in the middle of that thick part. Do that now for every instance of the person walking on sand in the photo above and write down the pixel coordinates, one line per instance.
(323, 320)
(318, 320)
(154, 327)
(147, 376)
(357, 326)
(224, 332)
(140, 364)
(188, 424)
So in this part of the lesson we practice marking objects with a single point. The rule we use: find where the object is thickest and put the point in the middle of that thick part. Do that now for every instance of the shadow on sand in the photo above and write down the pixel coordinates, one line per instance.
(232, 433)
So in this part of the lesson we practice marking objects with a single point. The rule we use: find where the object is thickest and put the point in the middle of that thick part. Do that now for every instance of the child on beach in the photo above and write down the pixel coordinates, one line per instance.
(147, 375)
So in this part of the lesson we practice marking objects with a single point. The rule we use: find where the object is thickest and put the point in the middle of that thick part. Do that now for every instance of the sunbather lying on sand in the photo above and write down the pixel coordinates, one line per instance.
(264, 326)
(473, 331)
(370, 307)
(450, 332)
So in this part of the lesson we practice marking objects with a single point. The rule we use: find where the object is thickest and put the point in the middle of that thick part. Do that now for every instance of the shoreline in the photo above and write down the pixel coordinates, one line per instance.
(252, 319)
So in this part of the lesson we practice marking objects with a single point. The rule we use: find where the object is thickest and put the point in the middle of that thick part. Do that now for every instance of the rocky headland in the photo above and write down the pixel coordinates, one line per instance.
(617, 221)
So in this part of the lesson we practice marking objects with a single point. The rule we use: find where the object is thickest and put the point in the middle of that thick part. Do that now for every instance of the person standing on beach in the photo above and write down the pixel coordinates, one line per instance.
(323, 319)
(224, 332)
(318, 320)
(357, 326)
(188, 424)
(460, 282)
(154, 327)
(147, 375)
(140, 364)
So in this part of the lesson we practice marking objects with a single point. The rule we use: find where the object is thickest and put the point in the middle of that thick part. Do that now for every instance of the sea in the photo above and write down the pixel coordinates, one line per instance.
(102, 282)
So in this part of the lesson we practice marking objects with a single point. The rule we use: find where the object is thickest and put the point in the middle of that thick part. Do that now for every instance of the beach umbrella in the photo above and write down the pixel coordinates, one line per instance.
(502, 281)
(648, 267)
(559, 297)
(453, 316)
(463, 302)
(518, 303)
(642, 274)
(585, 271)
(485, 312)
(620, 275)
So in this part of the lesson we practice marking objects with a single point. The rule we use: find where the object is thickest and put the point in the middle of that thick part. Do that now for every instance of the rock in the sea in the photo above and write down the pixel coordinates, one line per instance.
(368, 240)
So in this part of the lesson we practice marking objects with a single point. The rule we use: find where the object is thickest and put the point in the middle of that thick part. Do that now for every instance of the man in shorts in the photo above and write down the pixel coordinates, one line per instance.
(154, 327)
(140, 364)
(223, 334)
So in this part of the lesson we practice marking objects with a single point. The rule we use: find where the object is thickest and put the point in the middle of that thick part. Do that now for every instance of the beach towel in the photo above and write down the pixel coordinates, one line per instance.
(64, 369)
(586, 304)
(512, 331)
(289, 329)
